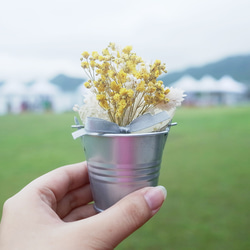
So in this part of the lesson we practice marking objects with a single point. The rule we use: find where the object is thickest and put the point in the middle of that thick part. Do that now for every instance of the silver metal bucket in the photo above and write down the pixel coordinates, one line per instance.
(119, 164)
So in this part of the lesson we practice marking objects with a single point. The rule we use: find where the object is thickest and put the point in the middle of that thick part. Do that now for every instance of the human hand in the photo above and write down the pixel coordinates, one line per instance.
(53, 212)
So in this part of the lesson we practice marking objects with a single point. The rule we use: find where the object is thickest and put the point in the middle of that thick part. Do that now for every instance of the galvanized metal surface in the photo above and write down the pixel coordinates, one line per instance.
(119, 164)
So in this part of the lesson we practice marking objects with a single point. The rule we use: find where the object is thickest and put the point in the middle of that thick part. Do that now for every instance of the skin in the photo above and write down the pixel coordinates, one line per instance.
(53, 212)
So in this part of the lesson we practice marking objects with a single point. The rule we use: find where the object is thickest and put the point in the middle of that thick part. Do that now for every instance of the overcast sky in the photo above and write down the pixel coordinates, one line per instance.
(39, 39)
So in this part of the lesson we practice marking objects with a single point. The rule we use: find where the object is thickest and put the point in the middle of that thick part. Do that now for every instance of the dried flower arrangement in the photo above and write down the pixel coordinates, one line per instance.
(122, 87)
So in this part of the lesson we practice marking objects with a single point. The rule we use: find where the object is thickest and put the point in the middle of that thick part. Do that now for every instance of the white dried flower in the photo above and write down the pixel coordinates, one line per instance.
(175, 96)
(91, 108)
(76, 108)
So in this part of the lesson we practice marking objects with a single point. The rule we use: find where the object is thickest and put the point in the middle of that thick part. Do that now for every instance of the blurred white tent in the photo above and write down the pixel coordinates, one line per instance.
(208, 85)
(60, 100)
(13, 96)
(227, 84)
(188, 84)
(43, 88)
(40, 96)
(44, 96)
(209, 91)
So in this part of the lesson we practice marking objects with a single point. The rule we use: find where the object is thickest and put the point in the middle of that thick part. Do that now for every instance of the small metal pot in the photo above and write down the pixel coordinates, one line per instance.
(119, 164)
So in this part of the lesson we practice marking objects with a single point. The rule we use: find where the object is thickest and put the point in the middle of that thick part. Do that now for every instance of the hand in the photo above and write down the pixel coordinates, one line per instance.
(53, 212)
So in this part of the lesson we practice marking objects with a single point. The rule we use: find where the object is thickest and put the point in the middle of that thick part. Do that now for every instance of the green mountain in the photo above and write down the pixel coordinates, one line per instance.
(238, 67)
(67, 83)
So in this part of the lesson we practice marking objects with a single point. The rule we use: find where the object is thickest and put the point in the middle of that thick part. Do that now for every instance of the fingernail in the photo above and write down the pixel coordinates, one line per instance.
(155, 197)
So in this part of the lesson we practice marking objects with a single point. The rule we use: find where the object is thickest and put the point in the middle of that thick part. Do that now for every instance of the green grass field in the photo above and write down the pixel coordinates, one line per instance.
(205, 168)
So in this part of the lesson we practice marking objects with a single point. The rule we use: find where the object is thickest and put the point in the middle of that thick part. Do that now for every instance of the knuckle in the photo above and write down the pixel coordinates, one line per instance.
(9, 204)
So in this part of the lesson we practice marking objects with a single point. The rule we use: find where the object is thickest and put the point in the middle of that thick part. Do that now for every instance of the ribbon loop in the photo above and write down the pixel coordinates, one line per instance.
(98, 125)
(101, 126)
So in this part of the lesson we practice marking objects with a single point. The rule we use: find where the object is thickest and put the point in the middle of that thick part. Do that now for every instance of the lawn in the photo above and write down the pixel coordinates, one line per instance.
(205, 169)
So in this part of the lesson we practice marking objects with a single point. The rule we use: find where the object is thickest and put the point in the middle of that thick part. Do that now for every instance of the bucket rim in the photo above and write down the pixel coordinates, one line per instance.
(166, 131)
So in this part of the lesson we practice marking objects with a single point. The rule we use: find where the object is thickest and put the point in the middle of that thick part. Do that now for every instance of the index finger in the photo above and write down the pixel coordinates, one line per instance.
(64, 179)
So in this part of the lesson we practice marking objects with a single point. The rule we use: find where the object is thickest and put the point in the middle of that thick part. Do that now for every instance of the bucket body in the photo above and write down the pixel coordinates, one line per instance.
(119, 164)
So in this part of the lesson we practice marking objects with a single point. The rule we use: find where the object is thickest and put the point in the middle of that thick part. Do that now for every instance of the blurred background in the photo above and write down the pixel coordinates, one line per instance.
(206, 48)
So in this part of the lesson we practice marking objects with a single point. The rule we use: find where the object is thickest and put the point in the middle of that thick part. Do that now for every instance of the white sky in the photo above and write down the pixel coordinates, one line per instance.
(39, 39)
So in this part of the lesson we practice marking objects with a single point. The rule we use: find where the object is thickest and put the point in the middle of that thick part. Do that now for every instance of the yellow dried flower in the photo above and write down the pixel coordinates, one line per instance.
(115, 87)
(105, 52)
(85, 54)
(98, 71)
(151, 88)
(119, 112)
(95, 55)
(139, 60)
(101, 58)
(166, 100)
(141, 86)
(96, 83)
(130, 93)
(105, 67)
(122, 76)
(112, 46)
(104, 104)
(160, 96)
(125, 57)
(123, 91)
(144, 74)
(116, 98)
(130, 66)
(101, 87)
(166, 91)
(92, 63)
(157, 73)
(85, 65)
(122, 104)
(87, 85)
(158, 86)
(127, 49)
(103, 78)
(157, 62)
(111, 74)
(148, 99)
(100, 97)
(118, 61)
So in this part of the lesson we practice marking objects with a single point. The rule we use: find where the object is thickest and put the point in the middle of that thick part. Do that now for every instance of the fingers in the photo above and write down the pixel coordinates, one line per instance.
(80, 213)
(74, 199)
(62, 180)
(118, 222)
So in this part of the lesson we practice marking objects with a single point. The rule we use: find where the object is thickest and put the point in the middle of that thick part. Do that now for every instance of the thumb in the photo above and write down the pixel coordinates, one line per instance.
(118, 222)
